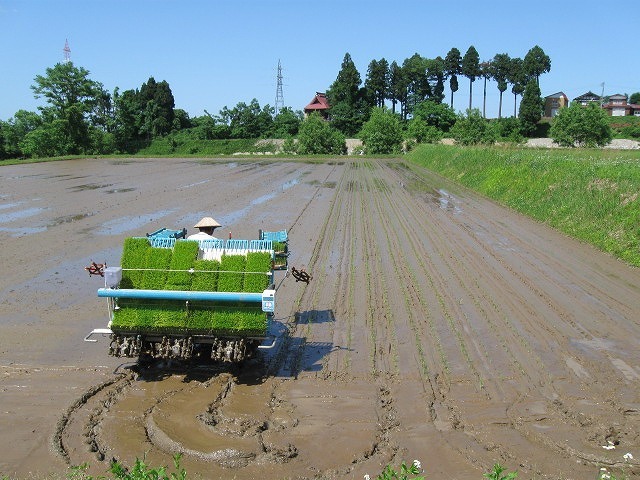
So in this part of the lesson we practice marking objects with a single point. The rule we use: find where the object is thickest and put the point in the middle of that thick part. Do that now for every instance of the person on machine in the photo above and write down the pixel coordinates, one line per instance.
(206, 226)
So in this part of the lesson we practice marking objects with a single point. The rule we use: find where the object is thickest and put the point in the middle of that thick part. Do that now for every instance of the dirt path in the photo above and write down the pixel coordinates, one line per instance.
(437, 326)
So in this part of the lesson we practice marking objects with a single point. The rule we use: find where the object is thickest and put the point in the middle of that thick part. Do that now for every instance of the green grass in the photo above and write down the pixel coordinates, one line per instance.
(589, 194)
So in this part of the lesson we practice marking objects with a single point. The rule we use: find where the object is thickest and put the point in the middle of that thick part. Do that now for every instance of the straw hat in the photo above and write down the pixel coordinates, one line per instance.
(207, 222)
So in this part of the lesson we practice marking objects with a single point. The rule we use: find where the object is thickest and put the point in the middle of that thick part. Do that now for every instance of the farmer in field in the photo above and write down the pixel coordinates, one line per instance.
(206, 226)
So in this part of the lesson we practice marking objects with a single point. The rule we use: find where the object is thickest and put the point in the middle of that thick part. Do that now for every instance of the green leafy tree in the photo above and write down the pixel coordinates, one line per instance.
(382, 133)
(127, 121)
(584, 126)
(500, 68)
(535, 63)
(453, 68)
(181, 120)
(16, 129)
(248, 121)
(286, 123)
(421, 132)
(414, 70)
(157, 105)
(471, 69)
(634, 98)
(316, 136)
(531, 107)
(71, 96)
(3, 150)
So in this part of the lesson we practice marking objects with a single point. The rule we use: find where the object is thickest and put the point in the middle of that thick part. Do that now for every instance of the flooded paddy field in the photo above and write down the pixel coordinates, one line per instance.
(438, 326)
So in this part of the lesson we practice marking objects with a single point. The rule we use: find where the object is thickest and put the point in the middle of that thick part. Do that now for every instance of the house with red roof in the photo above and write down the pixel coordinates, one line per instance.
(319, 104)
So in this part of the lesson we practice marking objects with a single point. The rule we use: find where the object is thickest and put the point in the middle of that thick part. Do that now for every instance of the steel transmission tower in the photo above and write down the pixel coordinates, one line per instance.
(279, 97)
(67, 51)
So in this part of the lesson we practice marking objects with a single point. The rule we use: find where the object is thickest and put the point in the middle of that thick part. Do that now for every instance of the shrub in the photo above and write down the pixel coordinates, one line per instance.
(316, 136)
(581, 126)
(423, 133)
(472, 129)
(382, 133)
(438, 115)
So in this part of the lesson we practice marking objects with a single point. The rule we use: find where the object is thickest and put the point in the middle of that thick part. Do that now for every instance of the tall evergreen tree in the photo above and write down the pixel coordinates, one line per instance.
(536, 62)
(346, 86)
(436, 73)
(531, 107)
(500, 72)
(471, 69)
(517, 79)
(377, 82)
(348, 105)
(453, 68)
(395, 85)
(486, 73)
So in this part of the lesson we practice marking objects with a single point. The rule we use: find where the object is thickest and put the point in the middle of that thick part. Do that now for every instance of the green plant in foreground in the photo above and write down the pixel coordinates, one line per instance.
(406, 472)
(140, 471)
(496, 473)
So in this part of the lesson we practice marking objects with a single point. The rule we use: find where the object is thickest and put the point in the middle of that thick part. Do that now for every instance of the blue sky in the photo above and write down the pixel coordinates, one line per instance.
(217, 53)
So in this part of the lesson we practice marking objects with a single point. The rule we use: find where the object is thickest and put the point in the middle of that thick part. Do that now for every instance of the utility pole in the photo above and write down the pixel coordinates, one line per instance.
(67, 51)
(279, 97)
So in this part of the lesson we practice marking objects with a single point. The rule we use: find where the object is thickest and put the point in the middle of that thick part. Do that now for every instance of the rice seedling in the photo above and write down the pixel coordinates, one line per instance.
(258, 264)
(178, 316)
(184, 256)
(231, 276)
(134, 256)
(156, 265)
(205, 276)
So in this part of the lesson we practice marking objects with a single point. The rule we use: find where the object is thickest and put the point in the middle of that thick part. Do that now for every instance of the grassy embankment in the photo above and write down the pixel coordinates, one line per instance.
(167, 269)
(592, 195)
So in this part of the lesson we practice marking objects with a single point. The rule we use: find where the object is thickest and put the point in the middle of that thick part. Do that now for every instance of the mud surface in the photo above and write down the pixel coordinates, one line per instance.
(437, 326)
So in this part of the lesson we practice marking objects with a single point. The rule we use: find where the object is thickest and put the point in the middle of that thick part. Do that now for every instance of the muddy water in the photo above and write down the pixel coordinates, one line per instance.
(437, 326)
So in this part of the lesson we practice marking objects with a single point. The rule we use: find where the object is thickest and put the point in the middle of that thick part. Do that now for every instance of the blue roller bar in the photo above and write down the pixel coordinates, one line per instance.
(182, 295)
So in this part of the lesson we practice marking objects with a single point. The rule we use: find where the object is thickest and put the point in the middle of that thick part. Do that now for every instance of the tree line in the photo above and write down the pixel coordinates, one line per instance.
(417, 79)
(406, 99)
(81, 117)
